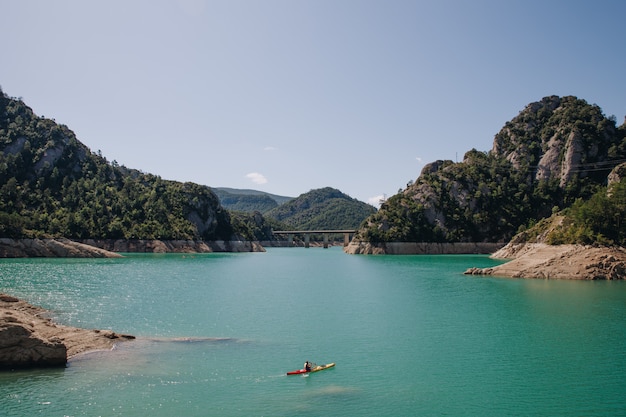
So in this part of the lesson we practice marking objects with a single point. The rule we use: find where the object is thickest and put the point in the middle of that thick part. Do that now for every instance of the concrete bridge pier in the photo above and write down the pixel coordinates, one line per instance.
(325, 240)
(307, 238)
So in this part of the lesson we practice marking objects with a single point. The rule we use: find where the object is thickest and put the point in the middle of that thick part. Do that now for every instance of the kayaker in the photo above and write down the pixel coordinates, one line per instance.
(307, 366)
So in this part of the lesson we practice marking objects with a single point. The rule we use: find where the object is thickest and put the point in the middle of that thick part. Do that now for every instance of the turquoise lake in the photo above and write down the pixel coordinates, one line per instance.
(410, 336)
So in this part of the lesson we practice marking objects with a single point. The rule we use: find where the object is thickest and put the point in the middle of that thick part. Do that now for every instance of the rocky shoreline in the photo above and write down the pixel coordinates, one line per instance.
(421, 248)
(173, 246)
(525, 260)
(50, 248)
(542, 261)
(91, 248)
(29, 339)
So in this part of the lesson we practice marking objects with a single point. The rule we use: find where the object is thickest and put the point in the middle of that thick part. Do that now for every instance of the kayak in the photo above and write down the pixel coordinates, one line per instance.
(314, 369)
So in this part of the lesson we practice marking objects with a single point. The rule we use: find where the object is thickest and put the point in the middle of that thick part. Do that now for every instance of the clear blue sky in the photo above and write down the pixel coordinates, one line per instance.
(293, 95)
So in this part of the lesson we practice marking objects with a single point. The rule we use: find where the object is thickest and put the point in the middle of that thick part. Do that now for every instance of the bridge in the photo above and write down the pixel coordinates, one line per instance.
(307, 235)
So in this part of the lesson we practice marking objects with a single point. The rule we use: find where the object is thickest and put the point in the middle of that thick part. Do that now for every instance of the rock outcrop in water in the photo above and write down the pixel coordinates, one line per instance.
(29, 339)
(19, 348)
(538, 260)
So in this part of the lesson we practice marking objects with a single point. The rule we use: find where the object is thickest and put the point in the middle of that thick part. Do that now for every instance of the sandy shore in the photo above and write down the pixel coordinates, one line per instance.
(29, 338)
(538, 260)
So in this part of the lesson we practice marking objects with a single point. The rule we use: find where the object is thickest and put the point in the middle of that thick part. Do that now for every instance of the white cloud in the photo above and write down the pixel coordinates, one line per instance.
(270, 148)
(375, 201)
(418, 159)
(256, 178)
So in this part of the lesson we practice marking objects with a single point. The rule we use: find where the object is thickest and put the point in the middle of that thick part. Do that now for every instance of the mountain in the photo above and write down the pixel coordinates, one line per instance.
(556, 156)
(556, 152)
(322, 209)
(52, 185)
(248, 200)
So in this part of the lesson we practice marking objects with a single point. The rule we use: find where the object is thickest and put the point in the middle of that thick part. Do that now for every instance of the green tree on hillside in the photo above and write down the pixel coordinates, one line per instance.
(600, 219)
(51, 185)
(554, 153)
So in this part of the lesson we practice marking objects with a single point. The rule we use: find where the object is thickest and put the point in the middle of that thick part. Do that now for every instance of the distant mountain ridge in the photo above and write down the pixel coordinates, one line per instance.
(53, 186)
(280, 199)
(248, 200)
(322, 209)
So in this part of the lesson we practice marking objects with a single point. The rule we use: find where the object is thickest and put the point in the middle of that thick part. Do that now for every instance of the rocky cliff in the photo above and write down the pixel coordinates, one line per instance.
(617, 175)
(558, 138)
(554, 152)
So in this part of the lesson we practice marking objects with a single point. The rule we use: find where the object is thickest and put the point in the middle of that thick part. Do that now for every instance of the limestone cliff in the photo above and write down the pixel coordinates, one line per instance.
(617, 174)
(556, 151)
(558, 138)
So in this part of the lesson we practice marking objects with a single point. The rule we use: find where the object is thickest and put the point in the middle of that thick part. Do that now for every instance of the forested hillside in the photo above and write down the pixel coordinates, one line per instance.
(52, 185)
(248, 200)
(322, 209)
(554, 157)
(600, 220)
(557, 153)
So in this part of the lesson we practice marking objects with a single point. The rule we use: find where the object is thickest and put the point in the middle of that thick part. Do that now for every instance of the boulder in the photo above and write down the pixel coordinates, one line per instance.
(20, 348)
